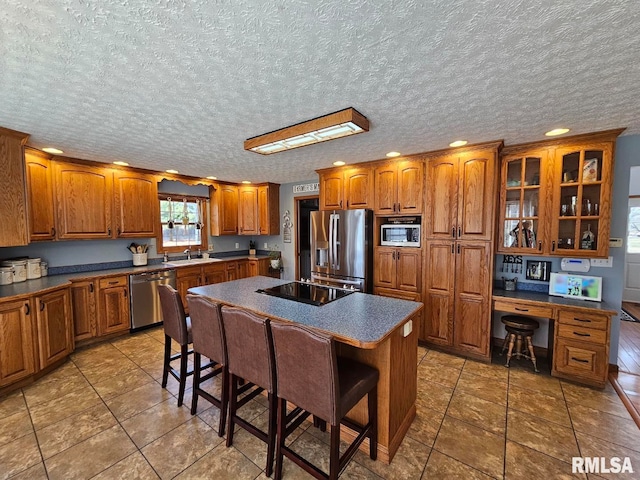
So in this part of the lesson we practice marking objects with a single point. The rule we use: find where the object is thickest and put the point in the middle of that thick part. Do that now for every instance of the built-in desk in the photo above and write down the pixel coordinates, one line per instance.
(579, 332)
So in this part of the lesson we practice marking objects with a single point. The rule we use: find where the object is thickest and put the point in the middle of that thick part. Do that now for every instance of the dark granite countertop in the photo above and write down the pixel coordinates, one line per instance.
(529, 296)
(44, 284)
(358, 319)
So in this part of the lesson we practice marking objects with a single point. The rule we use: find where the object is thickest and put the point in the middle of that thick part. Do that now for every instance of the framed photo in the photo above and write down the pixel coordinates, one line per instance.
(537, 270)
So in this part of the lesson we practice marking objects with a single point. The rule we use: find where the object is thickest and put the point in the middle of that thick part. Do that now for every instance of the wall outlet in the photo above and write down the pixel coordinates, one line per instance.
(602, 262)
(237, 245)
(407, 328)
(266, 245)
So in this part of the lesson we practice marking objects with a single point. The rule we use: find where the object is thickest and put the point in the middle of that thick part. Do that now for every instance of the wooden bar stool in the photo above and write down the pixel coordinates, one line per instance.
(177, 326)
(250, 358)
(520, 329)
(208, 340)
(311, 376)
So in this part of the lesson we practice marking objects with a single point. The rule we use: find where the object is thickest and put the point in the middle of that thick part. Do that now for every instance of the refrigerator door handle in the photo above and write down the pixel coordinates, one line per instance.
(331, 240)
(336, 254)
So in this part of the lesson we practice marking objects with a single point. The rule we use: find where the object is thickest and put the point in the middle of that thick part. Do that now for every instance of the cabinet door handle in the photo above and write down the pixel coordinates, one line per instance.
(459, 231)
(347, 203)
(580, 334)
(124, 292)
(41, 306)
(27, 309)
(453, 248)
(458, 249)
(579, 360)
(118, 231)
(521, 309)
(109, 231)
(553, 246)
(114, 282)
(583, 320)
(453, 232)
(340, 203)
(91, 288)
(53, 231)
(540, 246)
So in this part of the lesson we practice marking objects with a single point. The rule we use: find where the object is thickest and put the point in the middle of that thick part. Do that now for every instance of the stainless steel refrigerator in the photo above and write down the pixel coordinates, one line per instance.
(342, 248)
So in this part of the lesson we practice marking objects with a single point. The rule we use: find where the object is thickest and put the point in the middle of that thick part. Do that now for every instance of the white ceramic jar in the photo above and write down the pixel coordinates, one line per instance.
(6, 275)
(44, 269)
(19, 269)
(33, 268)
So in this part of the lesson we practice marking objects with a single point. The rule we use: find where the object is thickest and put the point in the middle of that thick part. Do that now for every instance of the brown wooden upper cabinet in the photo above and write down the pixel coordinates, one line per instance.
(398, 187)
(245, 209)
(14, 229)
(224, 209)
(135, 204)
(461, 195)
(84, 201)
(346, 188)
(269, 209)
(555, 196)
(248, 210)
(40, 195)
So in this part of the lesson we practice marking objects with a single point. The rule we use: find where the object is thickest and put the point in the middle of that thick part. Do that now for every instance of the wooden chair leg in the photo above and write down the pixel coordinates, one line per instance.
(233, 402)
(512, 340)
(334, 453)
(518, 346)
(532, 355)
(281, 417)
(372, 403)
(224, 400)
(196, 382)
(184, 349)
(167, 357)
(271, 433)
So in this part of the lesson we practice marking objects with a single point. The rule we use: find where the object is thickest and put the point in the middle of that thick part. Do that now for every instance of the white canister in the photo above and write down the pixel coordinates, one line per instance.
(33, 268)
(6, 275)
(19, 269)
(44, 269)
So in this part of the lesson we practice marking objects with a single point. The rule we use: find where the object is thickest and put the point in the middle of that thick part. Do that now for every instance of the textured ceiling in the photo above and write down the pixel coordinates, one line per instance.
(181, 84)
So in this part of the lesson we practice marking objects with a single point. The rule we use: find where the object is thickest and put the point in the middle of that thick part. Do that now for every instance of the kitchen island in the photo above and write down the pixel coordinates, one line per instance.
(378, 331)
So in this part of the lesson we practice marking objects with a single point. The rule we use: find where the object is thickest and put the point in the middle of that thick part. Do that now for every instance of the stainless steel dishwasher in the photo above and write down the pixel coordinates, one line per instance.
(144, 298)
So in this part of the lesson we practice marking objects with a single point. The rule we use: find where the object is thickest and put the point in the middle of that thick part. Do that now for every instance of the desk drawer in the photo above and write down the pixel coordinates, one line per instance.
(113, 282)
(523, 309)
(581, 359)
(583, 334)
(578, 318)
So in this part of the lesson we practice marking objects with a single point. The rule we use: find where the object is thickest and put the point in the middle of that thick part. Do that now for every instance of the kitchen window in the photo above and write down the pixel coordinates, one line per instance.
(182, 223)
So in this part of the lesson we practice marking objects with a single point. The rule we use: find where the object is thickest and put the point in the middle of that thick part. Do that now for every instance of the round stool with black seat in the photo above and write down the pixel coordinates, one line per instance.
(520, 329)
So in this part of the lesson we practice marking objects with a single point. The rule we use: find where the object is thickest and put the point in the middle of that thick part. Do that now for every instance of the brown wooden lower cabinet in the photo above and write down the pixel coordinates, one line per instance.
(17, 351)
(113, 305)
(457, 296)
(55, 330)
(83, 302)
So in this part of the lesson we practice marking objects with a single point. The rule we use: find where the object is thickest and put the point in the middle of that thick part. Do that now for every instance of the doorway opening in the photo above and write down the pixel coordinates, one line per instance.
(303, 208)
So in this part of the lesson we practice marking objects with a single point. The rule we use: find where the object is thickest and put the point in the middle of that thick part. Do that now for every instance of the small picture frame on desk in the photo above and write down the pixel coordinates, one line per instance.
(538, 270)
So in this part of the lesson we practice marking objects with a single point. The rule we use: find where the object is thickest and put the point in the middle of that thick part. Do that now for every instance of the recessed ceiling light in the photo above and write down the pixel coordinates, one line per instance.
(55, 151)
(339, 163)
(458, 143)
(393, 154)
(172, 171)
(122, 164)
(212, 178)
(556, 131)
(246, 181)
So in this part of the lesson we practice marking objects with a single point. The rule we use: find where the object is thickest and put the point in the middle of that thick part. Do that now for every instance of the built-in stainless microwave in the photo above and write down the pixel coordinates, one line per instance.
(400, 234)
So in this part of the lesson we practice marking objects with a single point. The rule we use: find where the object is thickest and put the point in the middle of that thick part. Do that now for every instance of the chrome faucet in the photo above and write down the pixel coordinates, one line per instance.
(188, 252)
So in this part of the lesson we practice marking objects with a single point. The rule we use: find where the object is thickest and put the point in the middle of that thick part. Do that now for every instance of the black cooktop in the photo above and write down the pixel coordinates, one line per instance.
(306, 293)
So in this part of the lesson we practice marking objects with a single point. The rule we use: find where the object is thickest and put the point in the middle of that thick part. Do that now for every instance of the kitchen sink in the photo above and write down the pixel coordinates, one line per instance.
(193, 261)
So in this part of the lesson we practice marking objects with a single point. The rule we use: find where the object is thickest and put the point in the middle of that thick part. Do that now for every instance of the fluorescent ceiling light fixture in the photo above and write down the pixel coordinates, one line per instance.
(338, 163)
(212, 178)
(328, 127)
(458, 143)
(172, 171)
(556, 131)
(55, 151)
(122, 164)
(393, 154)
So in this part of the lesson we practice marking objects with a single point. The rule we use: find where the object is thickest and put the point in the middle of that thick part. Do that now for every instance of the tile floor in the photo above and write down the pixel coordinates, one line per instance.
(104, 415)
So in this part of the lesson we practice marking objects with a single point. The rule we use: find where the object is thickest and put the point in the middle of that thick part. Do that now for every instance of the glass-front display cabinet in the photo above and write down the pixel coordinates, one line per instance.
(522, 203)
(582, 201)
